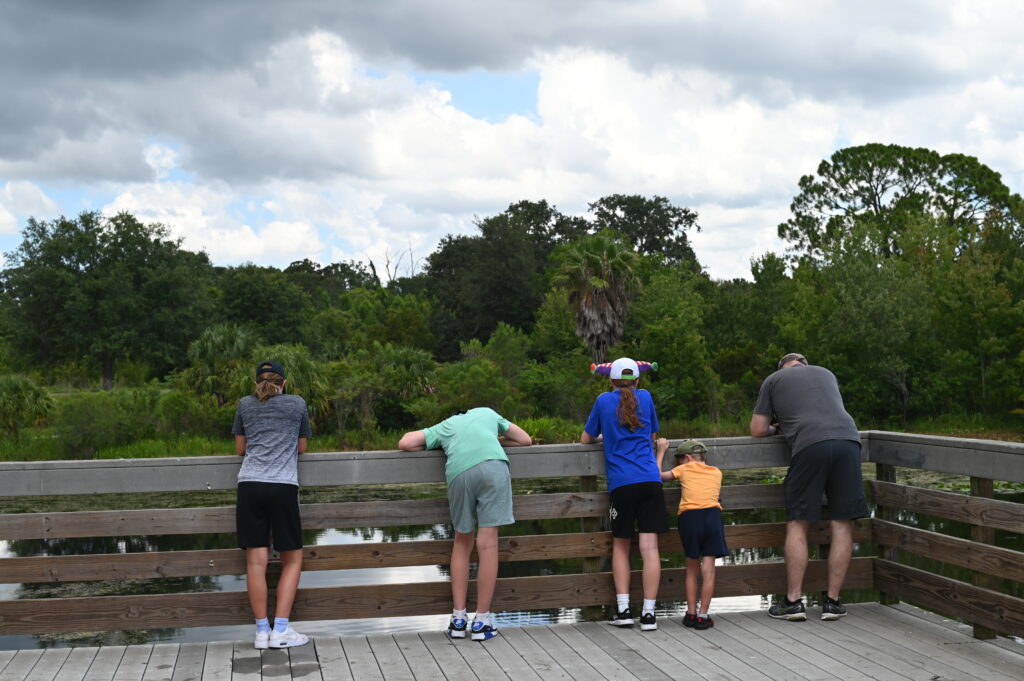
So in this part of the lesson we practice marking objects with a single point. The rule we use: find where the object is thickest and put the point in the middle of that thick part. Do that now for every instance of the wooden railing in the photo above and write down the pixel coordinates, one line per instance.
(974, 601)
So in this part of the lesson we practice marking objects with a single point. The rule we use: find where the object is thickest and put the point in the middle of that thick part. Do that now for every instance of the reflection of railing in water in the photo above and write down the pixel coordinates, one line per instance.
(984, 461)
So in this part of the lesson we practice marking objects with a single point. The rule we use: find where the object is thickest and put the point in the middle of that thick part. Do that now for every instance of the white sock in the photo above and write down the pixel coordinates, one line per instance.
(484, 617)
(622, 601)
(648, 606)
(459, 614)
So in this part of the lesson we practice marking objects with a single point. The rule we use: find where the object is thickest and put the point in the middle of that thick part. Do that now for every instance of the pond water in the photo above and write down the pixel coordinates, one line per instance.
(669, 603)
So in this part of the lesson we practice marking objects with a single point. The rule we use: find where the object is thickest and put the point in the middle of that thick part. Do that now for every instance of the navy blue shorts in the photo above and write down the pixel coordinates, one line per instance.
(702, 533)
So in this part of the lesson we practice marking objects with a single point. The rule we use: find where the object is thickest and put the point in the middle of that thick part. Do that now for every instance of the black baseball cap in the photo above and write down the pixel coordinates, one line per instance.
(270, 368)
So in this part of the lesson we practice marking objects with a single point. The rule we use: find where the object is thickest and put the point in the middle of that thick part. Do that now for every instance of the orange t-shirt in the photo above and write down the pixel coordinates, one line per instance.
(701, 485)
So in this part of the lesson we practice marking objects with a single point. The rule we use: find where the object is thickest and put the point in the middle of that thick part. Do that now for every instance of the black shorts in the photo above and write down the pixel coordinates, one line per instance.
(831, 467)
(265, 510)
(702, 533)
(639, 507)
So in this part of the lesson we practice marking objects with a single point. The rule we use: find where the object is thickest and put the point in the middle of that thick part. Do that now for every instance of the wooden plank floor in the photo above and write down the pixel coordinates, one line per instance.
(874, 642)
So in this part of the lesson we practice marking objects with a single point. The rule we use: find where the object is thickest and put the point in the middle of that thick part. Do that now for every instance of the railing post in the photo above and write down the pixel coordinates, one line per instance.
(887, 473)
(983, 487)
(588, 483)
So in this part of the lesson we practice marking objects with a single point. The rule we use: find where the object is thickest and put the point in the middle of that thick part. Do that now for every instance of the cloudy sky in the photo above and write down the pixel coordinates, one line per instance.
(346, 129)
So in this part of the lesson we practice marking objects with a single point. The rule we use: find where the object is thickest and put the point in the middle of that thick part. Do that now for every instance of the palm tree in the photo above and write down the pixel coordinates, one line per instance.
(598, 271)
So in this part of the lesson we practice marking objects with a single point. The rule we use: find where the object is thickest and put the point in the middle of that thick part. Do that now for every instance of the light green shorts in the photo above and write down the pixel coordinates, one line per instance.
(481, 497)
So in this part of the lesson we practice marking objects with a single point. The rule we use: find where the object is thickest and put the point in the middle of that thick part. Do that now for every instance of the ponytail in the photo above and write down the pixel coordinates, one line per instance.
(627, 409)
(267, 385)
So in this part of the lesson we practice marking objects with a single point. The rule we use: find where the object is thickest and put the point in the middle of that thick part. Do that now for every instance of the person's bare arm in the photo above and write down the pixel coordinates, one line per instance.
(303, 443)
(515, 437)
(661, 447)
(240, 445)
(587, 439)
(761, 426)
(413, 441)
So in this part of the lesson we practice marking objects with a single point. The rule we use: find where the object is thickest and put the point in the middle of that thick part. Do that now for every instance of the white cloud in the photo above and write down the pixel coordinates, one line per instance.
(161, 159)
(202, 218)
(22, 199)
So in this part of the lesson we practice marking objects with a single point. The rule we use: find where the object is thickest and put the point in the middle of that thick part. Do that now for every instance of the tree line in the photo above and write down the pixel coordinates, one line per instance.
(903, 273)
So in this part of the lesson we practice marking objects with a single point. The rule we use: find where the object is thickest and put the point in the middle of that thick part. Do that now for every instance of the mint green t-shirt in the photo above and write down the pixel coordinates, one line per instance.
(468, 439)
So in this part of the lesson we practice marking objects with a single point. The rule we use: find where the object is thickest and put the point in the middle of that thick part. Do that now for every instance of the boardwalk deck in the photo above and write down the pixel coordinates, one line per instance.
(875, 643)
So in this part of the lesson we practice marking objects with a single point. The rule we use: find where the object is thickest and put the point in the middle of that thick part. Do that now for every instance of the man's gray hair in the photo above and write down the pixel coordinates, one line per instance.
(786, 359)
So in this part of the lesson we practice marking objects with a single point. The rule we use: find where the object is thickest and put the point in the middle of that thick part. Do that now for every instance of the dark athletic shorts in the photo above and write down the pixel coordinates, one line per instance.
(702, 533)
(831, 467)
(639, 507)
(265, 510)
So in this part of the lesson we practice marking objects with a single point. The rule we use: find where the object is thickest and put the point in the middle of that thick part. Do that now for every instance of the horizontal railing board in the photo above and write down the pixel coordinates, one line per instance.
(991, 560)
(975, 604)
(215, 562)
(107, 613)
(995, 513)
(990, 459)
(221, 519)
(998, 460)
(182, 474)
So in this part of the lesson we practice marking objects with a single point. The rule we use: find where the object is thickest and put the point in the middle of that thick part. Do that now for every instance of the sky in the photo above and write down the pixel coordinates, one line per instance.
(267, 132)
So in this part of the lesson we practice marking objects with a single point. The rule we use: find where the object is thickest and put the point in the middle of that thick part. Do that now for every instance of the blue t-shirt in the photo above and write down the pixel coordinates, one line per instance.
(628, 455)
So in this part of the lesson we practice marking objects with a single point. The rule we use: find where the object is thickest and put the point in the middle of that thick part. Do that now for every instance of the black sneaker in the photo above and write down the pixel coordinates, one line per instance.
(832, 609)
(704, 622)
(690, 619)
(786, 610)
(623, 618)
(648, 622)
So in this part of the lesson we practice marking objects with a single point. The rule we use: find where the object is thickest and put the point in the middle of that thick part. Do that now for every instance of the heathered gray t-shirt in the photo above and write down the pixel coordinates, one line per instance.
(806, 403)
(272, 430)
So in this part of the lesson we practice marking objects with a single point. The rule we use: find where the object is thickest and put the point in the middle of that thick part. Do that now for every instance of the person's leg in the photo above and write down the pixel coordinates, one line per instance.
(620, 564)
(796, 558)
(652, 565)
(487, 568)
(461, 549)
(707, 590)
(692, 581)
(839, 553)
(256, 580)
(288, 583)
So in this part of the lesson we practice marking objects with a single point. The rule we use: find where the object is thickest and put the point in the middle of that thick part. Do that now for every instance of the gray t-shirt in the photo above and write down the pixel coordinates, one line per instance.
(806, 403)
(272, 430)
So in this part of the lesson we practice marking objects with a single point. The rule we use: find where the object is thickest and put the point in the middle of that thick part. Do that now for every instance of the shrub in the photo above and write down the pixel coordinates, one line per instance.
(88, 422)
(186, 414)
(22, 403)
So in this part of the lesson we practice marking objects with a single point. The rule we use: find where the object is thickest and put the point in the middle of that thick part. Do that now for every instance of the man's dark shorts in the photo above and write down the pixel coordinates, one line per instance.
(639, 507)
(702, 533)
(265, 509)
(831, 467)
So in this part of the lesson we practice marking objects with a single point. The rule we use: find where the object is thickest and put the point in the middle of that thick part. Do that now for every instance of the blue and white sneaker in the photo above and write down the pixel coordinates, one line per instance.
(483, 631)
(457, 627)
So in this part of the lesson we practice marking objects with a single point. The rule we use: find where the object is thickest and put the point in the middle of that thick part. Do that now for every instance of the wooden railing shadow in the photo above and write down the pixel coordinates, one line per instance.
(975, 600)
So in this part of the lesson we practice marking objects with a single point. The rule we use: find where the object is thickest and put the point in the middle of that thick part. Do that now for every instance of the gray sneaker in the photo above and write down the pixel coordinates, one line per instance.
(786, 610)
(832, 609)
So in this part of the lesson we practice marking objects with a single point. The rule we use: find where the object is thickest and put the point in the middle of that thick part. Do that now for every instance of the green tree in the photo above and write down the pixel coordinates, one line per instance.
(103, 290)
(265, 299)
(871, 193)
(220, 362)
(652, 225)
(599, 273)
(22, 403)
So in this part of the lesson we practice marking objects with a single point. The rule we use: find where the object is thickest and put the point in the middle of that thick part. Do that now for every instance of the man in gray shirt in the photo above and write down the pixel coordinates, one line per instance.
(803, 403)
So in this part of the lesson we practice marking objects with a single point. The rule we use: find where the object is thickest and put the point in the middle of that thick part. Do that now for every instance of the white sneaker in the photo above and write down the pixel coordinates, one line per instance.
(289, 639)
(262, 640)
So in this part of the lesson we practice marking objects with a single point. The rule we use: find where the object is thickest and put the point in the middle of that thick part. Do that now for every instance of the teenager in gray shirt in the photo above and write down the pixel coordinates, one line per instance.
(803, 403)
(271, 430)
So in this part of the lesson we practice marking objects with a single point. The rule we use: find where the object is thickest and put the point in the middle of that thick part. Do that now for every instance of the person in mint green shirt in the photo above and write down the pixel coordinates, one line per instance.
(479, 496)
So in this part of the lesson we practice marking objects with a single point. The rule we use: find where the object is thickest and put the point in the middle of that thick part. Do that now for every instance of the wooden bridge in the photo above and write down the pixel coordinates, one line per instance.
(879, 641)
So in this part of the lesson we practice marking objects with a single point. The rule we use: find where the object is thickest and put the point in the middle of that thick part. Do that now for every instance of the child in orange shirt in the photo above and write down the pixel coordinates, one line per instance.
(700, 523)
